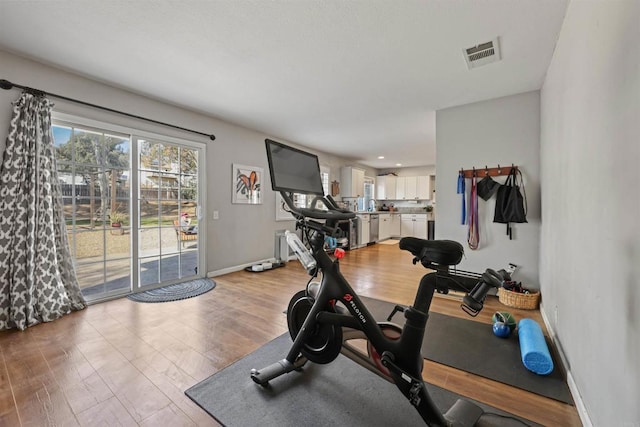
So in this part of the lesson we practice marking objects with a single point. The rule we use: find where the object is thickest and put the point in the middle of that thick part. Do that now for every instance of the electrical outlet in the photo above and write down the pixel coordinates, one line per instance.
(216, 215)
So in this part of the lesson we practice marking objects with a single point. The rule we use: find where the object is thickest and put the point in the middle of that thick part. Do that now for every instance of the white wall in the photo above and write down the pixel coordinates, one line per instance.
(243, 234)
(590, 236)
(497, 132)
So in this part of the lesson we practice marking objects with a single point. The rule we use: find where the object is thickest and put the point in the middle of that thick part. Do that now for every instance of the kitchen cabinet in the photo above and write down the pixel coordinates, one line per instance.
(420, 228)
(413, 187)
(352, 184)
(364, 225)
(384, 226)
(413, 225)
(400, 187)
(410, 187)
(394, 225)
(406, 226)
(386, 187)
(423, 187)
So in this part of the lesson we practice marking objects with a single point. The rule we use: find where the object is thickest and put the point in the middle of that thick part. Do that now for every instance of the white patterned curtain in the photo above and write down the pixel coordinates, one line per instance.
(37, 278)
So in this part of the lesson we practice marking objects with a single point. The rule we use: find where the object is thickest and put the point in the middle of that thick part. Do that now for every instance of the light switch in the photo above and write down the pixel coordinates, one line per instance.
(216, 215)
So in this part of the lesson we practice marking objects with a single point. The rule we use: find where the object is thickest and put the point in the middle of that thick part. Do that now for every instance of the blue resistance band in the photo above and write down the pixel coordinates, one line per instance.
(461, 190)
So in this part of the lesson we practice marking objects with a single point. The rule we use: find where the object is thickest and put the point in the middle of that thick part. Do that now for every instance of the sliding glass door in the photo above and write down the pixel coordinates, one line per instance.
(132, 207)
(168, 212)
(93, 169)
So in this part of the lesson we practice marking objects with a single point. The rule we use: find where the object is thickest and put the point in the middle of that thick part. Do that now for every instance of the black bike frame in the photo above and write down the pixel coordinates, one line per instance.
(403, 353)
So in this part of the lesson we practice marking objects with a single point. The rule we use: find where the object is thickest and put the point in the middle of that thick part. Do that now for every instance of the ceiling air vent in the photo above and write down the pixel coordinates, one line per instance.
(482, 54)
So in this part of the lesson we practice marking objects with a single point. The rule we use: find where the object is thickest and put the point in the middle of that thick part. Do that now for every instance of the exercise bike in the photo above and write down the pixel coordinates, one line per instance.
(326, 317)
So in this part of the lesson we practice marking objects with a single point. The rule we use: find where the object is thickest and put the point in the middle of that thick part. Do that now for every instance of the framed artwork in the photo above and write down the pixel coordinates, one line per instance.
(247, 184)
(281, 214)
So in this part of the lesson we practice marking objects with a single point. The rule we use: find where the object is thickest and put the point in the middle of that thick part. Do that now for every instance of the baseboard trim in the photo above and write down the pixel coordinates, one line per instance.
(573, 388)
(582, 410)
(237, 268)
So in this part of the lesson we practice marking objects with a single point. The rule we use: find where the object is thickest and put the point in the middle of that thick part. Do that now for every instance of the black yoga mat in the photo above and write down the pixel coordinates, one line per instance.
(471, 346)
(339, 393)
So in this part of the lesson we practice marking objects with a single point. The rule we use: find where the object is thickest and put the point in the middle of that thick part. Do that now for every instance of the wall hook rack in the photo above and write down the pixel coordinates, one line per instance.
(499, 171)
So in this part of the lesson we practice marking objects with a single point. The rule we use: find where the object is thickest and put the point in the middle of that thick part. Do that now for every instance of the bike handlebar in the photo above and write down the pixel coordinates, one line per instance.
(473, 302)
(333, 213)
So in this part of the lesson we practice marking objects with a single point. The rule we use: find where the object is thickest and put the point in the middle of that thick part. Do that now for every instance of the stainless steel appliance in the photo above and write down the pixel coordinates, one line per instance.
(353, 233)
(374, 221)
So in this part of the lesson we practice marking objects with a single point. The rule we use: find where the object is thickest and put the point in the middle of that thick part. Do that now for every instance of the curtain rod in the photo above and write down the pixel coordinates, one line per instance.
(6, 85)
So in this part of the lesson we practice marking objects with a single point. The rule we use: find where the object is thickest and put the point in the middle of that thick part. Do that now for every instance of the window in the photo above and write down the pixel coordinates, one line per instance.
(367, 202)
(324, 174)
(124, 194)
(167, 201)
(94, 171)
(300, 200)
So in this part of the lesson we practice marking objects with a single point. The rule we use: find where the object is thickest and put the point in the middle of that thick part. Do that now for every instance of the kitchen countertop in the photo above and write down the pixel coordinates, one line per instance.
(430, 215)
(389, 212)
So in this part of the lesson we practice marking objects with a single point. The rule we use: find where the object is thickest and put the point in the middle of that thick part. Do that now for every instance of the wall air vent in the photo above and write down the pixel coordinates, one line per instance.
(482, 54)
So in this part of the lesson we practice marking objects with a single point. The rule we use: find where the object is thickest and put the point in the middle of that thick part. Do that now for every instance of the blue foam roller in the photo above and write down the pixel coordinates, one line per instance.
(533, 347)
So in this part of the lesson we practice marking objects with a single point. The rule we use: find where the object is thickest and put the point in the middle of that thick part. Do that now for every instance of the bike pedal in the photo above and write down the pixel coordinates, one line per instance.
(417, 385)
(414, 393)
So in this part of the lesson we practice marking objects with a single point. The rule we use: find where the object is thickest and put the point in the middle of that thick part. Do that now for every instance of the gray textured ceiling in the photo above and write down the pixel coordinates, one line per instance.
(359, 79)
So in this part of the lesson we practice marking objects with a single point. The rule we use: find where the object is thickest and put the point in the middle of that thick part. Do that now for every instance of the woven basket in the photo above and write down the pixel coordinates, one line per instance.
(519, 300)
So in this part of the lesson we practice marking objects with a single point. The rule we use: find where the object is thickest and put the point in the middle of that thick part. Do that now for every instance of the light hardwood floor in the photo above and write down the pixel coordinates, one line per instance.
(127, 363)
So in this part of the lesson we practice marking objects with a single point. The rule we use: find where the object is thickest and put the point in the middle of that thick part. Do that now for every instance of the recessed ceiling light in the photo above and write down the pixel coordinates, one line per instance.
(398, 164)
(380, 157)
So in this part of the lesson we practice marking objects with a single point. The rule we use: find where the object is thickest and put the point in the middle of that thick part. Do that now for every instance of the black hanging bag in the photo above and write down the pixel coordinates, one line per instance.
(487, 187)
(511, 206)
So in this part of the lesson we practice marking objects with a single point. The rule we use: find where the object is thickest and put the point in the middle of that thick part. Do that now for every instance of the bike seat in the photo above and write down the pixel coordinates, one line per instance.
(441, 252)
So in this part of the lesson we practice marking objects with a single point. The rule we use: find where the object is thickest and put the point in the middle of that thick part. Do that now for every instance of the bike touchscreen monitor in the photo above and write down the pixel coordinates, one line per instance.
(293, 170)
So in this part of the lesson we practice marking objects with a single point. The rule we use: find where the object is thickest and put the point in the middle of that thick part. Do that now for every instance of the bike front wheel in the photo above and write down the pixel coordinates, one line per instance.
(324, 342)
